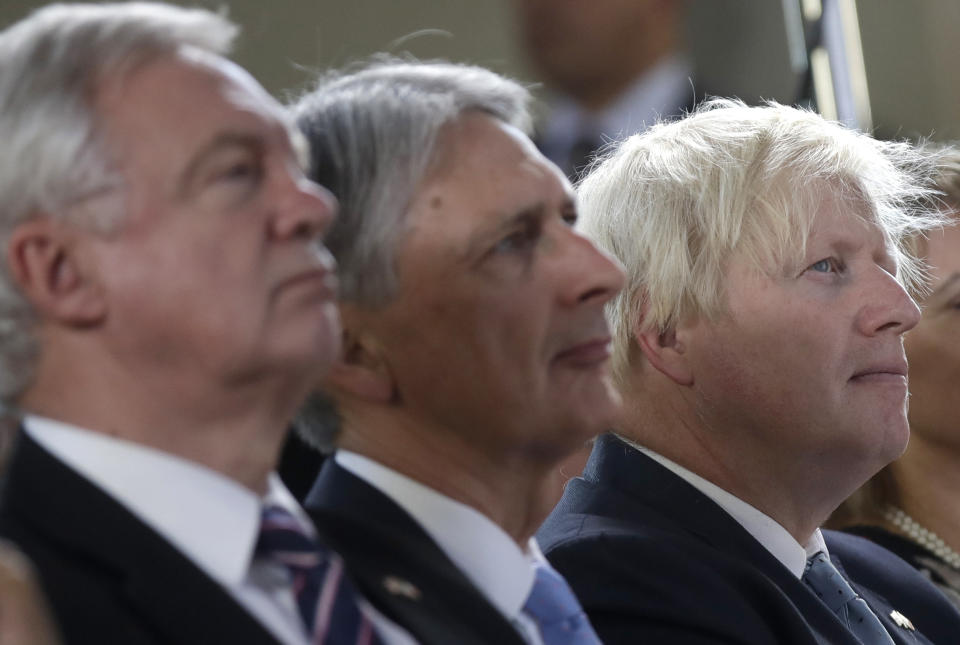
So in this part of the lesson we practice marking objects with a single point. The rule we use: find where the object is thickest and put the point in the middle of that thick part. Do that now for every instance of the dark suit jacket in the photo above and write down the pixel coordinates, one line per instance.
(399, 568)
(110, 578)
(653, 560)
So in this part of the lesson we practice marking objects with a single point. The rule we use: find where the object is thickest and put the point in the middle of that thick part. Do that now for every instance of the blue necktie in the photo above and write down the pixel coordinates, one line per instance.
(557, 612)
(851, 609)
(326, 598)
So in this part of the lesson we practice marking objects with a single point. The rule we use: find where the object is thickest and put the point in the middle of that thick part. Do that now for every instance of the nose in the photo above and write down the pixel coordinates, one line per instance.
(305, 210)
(592, 275)
(888, 307)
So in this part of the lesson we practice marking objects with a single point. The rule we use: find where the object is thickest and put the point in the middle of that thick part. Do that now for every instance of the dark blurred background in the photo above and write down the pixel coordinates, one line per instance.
(739, 47)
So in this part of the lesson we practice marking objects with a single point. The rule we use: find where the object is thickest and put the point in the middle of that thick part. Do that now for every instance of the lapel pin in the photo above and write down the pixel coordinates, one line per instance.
(901, 620)
(400, 587)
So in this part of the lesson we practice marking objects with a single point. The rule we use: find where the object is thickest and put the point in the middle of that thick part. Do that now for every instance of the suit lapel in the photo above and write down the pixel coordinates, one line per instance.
(171, 596)
(400, 569)
(646, 485)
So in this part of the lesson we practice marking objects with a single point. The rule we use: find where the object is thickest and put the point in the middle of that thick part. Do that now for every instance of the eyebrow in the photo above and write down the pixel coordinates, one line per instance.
(534, 212)
(220, 142)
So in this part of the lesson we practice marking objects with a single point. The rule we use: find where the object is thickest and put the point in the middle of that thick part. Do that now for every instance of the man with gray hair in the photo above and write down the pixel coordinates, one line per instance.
(475, 350)
(758, 350)
(165, 306)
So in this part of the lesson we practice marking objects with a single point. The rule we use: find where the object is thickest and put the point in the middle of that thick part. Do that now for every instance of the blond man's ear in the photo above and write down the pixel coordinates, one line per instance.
(665, 350)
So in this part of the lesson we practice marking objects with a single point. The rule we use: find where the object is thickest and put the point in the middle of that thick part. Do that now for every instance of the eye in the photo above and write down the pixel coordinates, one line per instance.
(570, 218)
(246, 170)
(826, 265)
(521, 239)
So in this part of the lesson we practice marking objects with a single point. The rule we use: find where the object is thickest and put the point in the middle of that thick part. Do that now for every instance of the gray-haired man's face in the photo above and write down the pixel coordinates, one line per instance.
(497, 331)
(217, 270)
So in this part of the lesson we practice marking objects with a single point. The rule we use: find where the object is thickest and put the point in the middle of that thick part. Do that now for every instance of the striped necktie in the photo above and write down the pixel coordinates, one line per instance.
(852, 610)
(326, 598)
(557, 611)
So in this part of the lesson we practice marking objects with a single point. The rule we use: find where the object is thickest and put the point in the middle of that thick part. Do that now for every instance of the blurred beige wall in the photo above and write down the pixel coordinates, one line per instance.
(280, 37)
(911, 48)
(912, 56)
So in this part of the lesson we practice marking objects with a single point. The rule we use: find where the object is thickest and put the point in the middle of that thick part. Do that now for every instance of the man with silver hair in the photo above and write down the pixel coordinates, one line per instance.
(475, 350)
(165, 306)
(758, 351)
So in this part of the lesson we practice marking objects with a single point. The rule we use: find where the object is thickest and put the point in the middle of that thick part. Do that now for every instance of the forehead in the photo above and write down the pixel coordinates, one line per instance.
(848, 222)
(164, 110)
(484, 171)
(813, 221)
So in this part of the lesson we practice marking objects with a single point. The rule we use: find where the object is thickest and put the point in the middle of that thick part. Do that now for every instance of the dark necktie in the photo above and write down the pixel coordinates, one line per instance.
(851, 609)
(326, 598)
(557, 612)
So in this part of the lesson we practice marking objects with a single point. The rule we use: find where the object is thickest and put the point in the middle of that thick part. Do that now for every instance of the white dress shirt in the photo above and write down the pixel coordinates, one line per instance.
(212, 519)
(490, 559)
(764, 529)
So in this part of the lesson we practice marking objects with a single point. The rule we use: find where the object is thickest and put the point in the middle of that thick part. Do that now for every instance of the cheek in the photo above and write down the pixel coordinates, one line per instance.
(769, 369)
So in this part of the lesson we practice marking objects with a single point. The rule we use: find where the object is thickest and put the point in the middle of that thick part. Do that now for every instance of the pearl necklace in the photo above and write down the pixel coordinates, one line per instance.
(924, 537)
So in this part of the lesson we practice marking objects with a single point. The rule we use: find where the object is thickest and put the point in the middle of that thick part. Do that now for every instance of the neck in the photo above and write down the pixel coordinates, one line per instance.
(926, 479)
(237, 431)
(667, 419)
(515, 491)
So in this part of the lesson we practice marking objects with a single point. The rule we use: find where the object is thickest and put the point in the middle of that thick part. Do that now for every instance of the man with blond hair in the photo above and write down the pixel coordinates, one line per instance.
(758, 350)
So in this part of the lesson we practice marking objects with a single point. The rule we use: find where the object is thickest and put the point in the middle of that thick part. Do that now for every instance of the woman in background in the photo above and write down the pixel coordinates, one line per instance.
(912, 507)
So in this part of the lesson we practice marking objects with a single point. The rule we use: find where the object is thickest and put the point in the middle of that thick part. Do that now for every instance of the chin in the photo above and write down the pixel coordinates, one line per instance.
(895, 439)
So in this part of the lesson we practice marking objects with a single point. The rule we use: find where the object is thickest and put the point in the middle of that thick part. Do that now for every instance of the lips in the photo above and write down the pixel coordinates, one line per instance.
(893, 370)
(317, 279)
(318, 275)
(590, 353)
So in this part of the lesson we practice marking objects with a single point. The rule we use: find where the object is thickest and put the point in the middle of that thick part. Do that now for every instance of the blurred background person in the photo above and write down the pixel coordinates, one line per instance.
(912, 507)
(614, 67)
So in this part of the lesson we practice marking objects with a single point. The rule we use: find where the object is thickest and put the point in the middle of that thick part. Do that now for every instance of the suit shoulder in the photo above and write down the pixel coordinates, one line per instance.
(653, 586)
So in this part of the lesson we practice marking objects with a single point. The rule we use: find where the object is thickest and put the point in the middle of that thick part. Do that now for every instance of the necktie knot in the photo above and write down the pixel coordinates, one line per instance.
(326, 599)
(283, 539)
(837, 594)
(557, 611)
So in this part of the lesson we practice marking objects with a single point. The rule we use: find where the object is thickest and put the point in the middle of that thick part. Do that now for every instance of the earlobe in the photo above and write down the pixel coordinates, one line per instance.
(46, 269)
(665, 350)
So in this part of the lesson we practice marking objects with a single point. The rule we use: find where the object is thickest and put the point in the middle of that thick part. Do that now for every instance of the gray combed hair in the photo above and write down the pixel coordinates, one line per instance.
(51, 66)
(372, 133)
(675, 202)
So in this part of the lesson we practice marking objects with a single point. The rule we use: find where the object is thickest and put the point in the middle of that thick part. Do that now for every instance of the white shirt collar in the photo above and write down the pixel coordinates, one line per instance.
(479, 547)
(210, 518)
(764, 529)
(657, 92)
